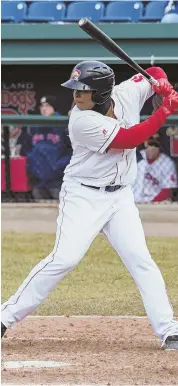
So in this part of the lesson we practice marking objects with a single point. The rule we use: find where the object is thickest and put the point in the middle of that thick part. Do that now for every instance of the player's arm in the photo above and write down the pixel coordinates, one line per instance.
(165, 194)
(137, 134)
(94, 132)
(140, 89)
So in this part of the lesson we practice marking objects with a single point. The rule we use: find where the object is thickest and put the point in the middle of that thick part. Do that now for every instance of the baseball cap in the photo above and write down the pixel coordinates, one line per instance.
(51, 100)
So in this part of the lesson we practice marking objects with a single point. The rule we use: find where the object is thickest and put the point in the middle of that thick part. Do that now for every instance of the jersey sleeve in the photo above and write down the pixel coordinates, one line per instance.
(95, 133)
(139, 90)
(169, 179)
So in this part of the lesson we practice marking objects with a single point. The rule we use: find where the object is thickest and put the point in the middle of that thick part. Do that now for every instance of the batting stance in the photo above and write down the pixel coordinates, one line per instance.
(96, 193)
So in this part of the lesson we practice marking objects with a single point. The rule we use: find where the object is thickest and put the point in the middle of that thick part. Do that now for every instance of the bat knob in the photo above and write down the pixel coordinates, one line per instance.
(82, 21)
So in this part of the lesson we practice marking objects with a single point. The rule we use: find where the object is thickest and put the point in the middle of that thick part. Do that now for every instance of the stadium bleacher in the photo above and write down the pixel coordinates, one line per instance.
(154, 11)
(123, 11)
(12, 11)
(92, 10)
(98, 11)
(45, 11)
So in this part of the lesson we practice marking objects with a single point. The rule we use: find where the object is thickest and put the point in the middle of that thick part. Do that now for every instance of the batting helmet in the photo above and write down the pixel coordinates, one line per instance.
(92, 76)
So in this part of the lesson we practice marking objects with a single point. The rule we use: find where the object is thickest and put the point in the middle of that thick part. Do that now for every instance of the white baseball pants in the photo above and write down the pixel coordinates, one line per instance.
(84, 212)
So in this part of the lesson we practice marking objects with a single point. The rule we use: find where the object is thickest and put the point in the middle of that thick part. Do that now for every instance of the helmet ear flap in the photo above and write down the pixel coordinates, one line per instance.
(95, 96)
(101, 98)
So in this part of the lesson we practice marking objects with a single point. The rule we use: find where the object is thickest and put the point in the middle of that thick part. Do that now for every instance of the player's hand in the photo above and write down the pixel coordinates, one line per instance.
(164, 88)
(170, 103)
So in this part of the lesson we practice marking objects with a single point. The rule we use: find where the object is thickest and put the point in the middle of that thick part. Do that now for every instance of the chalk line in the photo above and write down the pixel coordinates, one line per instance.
(87, 316)
(77, 384)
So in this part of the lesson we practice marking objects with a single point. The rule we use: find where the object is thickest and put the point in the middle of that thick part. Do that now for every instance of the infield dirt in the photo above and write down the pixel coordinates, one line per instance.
(105, 351)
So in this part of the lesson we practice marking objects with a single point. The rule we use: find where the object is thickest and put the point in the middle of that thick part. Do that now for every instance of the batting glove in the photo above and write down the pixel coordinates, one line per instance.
(170, 103)
(164, 88)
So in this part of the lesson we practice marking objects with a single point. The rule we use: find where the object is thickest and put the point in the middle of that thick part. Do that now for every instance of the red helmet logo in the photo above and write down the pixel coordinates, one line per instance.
(75, 74)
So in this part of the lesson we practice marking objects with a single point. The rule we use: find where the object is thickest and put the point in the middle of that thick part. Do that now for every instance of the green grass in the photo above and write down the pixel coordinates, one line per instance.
(100, 284)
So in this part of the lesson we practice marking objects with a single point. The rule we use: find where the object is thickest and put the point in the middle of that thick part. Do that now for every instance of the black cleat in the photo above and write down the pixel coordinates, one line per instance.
(171, 342)
(3, 329)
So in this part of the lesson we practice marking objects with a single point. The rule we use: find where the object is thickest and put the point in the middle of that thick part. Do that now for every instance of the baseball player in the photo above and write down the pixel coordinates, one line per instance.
(96, 193)
(156, 175)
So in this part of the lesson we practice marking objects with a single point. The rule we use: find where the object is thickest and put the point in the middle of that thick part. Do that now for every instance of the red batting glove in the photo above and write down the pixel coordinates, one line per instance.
(164, 88)
(170, 104)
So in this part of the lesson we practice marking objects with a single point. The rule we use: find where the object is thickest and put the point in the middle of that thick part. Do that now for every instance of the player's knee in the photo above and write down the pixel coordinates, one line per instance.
(66, 263)
(71, 264)
(140, 259)
(144, 263)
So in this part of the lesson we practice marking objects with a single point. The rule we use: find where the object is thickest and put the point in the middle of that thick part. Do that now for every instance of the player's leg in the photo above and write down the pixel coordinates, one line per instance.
(79, 222)
(126, 235)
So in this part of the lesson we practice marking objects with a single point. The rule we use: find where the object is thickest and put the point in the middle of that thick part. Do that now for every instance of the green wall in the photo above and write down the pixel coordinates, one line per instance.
(68, 44)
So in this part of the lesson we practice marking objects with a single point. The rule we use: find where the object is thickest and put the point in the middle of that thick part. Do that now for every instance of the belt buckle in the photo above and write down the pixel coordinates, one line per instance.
(113, 188)
(110, 188)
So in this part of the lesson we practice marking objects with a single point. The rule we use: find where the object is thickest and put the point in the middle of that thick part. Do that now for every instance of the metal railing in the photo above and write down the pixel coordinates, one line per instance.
(58, 121)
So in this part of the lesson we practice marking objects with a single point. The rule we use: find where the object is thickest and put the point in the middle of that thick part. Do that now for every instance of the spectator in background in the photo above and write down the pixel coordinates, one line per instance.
(156, 174)
(48, 106)
(49, 156)
(19, 142)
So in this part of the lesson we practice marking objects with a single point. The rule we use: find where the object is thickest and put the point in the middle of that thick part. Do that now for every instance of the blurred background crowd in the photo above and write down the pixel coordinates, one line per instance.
(47, 151)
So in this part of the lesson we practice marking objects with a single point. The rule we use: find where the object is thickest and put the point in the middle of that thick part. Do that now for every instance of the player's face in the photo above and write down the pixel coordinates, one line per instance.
(152, 152)
(83, 99)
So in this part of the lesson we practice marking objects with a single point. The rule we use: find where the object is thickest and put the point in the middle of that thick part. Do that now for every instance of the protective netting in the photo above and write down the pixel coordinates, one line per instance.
(33, 162)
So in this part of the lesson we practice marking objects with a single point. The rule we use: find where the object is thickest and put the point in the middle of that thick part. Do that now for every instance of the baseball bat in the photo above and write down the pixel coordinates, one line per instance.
(92, 30)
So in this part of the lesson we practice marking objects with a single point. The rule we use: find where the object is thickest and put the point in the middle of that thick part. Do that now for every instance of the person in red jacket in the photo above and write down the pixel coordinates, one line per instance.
(96, 194)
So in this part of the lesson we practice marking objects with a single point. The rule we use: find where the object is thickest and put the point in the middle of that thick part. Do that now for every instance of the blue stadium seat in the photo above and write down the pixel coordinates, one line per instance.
(104, 1)
(46, 11)
(123, 11)
(13, 11)
(154, 11)
(93, 10)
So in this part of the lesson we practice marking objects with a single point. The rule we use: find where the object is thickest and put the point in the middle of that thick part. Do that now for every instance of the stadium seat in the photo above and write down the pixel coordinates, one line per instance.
(13, 11)
(154, 11)
(93, 10)
(46, 11)
(123, 11)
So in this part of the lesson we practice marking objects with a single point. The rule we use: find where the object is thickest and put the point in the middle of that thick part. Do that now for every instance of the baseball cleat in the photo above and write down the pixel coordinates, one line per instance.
(3, 329)
(171, 343)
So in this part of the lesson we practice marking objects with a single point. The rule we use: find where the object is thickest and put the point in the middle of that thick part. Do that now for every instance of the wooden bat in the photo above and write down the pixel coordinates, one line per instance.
(92, 30)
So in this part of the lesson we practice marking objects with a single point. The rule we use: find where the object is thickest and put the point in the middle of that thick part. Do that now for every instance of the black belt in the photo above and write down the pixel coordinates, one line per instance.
(108, 188)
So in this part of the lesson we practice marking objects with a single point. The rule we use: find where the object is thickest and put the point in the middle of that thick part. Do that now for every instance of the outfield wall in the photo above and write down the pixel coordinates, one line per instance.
(158, 219)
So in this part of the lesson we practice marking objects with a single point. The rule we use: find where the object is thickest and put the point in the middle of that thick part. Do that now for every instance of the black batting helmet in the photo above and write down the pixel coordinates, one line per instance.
(92, 76)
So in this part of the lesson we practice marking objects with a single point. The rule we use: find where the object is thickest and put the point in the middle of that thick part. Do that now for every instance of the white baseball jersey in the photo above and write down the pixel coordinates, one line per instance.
(91, 133)
(153, 177)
